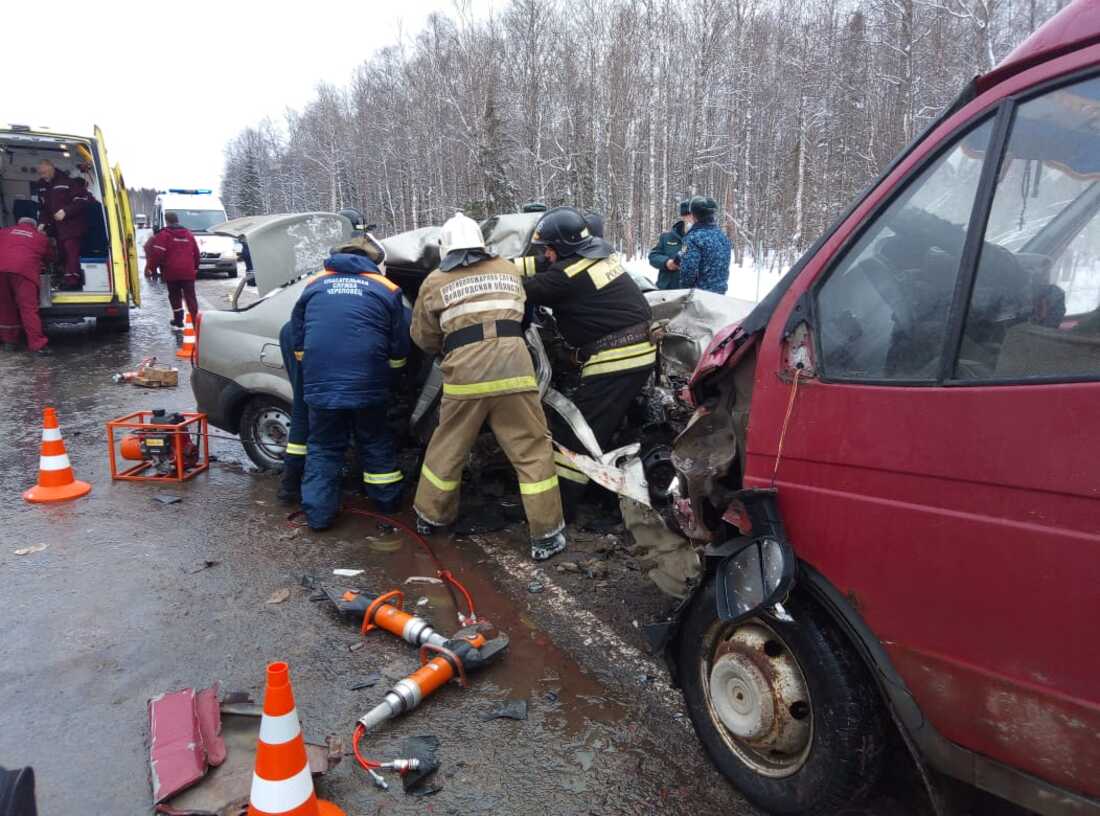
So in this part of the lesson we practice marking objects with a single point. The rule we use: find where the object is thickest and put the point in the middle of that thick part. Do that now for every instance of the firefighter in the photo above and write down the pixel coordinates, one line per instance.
(665, 256)
(294, 460)
(23, 250)
(350, 331)
(175, 252)
(62, 205)
(471, 311)
(602, 314)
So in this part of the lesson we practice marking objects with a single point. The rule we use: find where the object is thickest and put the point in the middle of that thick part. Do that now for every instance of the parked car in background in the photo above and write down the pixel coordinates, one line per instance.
(892, 480)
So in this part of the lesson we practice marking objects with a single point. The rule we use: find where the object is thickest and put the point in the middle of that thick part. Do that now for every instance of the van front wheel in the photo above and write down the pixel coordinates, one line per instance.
(784, 707)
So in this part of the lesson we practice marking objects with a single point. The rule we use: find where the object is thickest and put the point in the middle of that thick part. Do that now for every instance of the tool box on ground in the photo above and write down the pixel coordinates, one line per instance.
(165, 447)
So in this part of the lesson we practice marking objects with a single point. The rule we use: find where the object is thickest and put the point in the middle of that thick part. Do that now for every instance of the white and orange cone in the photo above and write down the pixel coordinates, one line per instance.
(55, 472)
(187, 350)
(282, 784)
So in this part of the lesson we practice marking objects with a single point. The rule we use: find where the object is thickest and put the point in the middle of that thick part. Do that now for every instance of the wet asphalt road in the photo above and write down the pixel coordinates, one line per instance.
(118, 608)
(121, 605)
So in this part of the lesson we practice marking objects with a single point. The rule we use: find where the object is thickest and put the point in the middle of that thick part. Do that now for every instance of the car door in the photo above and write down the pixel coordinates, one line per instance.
(133, 273)
(940, 463)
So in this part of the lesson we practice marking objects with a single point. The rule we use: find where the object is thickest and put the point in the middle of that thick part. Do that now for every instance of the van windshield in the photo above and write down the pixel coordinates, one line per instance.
(200, 220)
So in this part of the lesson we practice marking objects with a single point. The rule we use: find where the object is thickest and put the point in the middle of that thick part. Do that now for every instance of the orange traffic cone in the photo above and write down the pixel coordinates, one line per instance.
(187, 350)
(55, 473)
(282, 783)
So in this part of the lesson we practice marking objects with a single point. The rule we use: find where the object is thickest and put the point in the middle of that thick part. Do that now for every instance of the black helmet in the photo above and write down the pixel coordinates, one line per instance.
(353, 215)
(595, 223)
(534, 206)
(704, 208)
(567, 231)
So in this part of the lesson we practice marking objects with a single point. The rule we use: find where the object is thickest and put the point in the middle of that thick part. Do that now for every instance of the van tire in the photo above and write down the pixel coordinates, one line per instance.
(264, 420)
(845, 752)
(232, 274)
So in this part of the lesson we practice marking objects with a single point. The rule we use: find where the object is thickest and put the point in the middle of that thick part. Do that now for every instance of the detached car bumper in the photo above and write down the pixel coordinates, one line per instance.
(219, 398)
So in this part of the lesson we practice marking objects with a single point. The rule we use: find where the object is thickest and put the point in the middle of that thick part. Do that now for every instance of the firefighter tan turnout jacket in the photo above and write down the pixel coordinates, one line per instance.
(482, 299)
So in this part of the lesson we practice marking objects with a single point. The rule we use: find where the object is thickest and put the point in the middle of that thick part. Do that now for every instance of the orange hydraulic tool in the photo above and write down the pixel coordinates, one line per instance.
(468, 650)
(382, 614)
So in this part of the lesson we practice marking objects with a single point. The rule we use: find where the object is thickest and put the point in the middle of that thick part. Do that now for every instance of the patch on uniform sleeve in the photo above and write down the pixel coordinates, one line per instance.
(605, 271)
(490, 283)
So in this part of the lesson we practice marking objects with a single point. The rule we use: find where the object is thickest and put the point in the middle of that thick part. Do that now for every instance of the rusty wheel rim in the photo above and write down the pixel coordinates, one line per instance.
(757, 697)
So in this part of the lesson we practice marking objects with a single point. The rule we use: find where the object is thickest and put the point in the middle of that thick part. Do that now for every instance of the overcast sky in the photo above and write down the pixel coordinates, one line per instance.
(171, 83)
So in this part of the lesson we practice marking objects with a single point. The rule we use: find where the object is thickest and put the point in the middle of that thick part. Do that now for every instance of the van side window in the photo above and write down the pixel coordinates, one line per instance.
(1035, 306)
(882, 312)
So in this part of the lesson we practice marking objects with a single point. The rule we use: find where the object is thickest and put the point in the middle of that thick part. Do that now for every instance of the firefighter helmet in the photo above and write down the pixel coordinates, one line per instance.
(567, 232)
(460, 232)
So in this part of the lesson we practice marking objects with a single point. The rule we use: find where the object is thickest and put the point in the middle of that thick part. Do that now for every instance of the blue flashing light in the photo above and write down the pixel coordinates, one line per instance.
(191, 192)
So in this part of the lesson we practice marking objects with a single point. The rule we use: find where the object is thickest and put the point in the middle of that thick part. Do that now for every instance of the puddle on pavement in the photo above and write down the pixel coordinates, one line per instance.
(534, 669)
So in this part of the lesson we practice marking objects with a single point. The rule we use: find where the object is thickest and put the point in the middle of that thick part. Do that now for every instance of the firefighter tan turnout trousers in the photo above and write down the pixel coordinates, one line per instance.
(518, 422)
(472, 315)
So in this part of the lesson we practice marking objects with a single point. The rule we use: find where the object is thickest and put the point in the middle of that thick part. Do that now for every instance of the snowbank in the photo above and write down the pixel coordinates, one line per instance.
(749, 281)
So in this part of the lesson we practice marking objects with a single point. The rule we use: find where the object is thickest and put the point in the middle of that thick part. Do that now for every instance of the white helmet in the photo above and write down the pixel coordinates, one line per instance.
(460, 232)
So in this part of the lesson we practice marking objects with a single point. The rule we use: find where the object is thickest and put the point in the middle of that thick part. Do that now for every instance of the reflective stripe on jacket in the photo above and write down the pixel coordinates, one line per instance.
(479, 294)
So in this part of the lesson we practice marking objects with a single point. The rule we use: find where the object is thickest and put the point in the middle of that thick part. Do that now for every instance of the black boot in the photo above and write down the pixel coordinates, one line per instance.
(290, 486)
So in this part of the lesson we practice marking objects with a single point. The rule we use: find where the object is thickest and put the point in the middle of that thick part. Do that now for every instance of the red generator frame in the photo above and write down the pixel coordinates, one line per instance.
(194, 424)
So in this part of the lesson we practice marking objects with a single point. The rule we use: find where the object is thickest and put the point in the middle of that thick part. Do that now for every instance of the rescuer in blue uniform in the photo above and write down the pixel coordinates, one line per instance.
(350, 330)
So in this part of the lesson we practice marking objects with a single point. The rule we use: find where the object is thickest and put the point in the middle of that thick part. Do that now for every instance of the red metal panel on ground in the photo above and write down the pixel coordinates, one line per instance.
(176, 756)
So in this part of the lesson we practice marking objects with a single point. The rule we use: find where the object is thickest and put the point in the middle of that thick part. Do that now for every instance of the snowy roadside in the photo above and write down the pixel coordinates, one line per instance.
(748, 281)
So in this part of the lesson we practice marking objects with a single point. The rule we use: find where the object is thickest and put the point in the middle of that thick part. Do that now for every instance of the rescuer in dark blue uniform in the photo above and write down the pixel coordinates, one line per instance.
(350, 330)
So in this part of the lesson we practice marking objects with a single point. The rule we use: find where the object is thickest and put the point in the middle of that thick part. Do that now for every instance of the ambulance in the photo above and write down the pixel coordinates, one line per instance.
(108, 256)
(200, 211)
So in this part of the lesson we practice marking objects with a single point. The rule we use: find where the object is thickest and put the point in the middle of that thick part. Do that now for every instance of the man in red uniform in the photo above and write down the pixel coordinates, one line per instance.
(23, 248)
(63, 204)
(175, 252)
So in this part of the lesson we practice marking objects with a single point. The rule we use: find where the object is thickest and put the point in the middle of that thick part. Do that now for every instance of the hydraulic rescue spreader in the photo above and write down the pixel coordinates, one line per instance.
(441, 660)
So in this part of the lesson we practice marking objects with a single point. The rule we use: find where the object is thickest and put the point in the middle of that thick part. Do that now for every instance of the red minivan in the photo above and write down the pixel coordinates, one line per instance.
(895, 469)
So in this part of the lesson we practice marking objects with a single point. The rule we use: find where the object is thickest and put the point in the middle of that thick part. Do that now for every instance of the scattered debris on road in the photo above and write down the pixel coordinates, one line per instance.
(507, 710)
(31, 549)
(278, 596)
(347, 573)
(369, 681)
(167, 498)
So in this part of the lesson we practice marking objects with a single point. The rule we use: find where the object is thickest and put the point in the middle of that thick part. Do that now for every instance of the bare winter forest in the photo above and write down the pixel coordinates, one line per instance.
(783, 111)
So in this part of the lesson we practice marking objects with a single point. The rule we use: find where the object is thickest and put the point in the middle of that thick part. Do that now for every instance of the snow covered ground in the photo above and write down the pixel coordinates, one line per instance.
(749, 281)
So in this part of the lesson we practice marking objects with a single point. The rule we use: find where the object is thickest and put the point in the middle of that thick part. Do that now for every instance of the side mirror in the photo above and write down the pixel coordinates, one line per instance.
(758, 575)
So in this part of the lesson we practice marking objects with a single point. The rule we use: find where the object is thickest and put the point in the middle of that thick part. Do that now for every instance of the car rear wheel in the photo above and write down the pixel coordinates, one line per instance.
(264, 431)
(784, 707)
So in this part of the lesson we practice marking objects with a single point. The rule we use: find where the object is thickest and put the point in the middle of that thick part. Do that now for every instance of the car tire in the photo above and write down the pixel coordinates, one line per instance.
(233, 273)
(827, 750)
(264, 430)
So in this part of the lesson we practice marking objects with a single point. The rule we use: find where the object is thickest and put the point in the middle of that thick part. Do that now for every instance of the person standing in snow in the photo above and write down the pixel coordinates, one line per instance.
(705, 256)
(664, 257)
